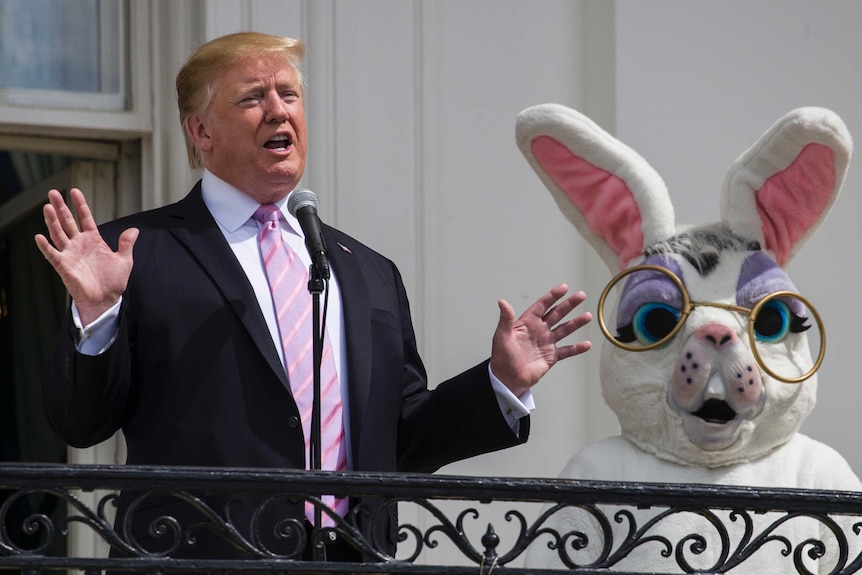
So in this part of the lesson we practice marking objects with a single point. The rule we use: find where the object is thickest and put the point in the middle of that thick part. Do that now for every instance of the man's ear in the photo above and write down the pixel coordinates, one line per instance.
(197, 130)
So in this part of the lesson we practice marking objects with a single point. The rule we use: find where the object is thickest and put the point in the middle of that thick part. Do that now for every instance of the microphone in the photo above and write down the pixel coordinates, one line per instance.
(303, 204)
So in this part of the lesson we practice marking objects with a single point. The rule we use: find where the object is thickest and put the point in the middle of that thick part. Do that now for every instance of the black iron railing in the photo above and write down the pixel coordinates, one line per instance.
(449, 524)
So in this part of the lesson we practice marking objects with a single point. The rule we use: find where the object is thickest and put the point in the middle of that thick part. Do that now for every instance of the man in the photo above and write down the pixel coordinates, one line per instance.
(186, 352)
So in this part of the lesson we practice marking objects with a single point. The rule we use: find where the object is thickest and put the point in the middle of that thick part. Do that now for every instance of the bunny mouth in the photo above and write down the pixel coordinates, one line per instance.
(715, 411)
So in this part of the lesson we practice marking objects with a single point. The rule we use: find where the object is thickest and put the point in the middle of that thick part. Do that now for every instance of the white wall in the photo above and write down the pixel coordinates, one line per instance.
(698, 82)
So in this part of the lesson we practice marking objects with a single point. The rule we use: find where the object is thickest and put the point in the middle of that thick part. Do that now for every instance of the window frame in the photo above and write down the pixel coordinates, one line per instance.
(70, 119)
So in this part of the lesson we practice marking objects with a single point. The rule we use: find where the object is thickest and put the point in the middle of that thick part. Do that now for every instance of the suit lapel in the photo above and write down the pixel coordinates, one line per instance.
(197, 230)
(202, 236)
(356, 308)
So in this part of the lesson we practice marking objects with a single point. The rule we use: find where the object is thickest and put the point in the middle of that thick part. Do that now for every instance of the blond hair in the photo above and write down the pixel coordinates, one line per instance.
(196, 78)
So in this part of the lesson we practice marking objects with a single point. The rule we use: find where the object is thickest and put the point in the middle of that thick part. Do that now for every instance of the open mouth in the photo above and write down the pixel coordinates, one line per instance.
(280, 142)
(715, 411)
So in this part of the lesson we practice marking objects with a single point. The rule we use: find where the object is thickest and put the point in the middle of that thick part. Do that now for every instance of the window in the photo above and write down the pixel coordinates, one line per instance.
(69, 54)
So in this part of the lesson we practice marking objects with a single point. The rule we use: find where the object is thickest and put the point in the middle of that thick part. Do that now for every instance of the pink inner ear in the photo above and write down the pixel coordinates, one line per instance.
(791, 201)
(605, 200)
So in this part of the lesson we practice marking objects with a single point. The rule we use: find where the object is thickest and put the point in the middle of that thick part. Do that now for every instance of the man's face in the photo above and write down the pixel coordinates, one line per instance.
(252, 134)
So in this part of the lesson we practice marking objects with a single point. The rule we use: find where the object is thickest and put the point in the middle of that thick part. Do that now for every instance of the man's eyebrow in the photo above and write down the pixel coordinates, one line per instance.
(250, 84)
(253, 84)
(289, 83)
(244, 89)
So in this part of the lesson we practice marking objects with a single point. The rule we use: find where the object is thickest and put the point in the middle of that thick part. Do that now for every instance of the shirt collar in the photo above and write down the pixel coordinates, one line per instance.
(231, 208)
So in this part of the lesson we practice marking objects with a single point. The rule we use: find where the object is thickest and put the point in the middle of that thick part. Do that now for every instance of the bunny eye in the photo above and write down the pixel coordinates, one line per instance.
(651, 323)
(775, 321)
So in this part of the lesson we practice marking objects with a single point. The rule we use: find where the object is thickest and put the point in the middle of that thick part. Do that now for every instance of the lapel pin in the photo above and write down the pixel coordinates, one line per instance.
(343, 247)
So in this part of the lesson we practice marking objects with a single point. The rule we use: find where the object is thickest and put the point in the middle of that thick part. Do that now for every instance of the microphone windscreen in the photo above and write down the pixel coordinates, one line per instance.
(301, 199)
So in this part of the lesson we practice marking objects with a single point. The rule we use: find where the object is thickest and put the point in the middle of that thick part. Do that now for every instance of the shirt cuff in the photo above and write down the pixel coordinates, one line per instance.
(97, 337)
(512, 406)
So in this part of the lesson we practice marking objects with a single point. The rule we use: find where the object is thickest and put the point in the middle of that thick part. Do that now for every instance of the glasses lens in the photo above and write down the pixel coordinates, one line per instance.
(787, 337)
(649, 309)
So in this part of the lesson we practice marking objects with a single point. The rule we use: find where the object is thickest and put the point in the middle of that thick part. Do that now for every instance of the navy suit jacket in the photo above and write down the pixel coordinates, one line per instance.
(194, 379)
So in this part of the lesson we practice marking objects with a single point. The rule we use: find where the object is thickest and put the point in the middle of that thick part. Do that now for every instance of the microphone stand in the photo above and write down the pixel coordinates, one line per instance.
(315, 288)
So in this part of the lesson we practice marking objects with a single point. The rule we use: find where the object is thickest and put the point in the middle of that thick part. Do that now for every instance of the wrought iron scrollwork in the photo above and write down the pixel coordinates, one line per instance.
(731, 548)
(587, 527)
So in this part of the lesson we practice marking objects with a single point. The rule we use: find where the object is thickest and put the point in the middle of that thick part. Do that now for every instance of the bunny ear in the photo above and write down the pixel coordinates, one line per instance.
(614, 198)
(780, 190)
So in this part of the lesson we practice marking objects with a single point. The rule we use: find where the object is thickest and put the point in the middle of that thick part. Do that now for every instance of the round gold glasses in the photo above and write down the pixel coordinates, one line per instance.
(779, 325)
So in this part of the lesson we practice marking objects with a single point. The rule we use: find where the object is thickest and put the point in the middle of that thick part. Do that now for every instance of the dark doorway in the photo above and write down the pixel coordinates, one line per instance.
(32, 302)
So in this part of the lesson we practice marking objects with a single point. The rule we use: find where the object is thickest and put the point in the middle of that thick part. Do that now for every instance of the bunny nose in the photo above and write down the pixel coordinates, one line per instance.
(720, 336)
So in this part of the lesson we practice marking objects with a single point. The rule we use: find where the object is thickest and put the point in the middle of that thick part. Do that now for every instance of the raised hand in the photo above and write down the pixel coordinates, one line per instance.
(523, 351)
(94, 275)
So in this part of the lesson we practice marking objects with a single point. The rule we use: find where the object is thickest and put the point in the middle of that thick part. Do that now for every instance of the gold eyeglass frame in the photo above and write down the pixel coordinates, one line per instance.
(688, 306)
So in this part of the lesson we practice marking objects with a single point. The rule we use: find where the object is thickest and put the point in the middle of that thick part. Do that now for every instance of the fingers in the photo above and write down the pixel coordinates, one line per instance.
(547, 301)
(68, 227)
(568, 328)
(46, 248)
(567, 351)
(551, 312)
(127, 242)
(561, 310)
(60, 221)
(52, 223)
(507, 315)
(85, 216)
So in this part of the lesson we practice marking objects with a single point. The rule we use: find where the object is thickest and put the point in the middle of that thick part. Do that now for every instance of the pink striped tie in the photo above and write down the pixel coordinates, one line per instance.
(288, 282)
